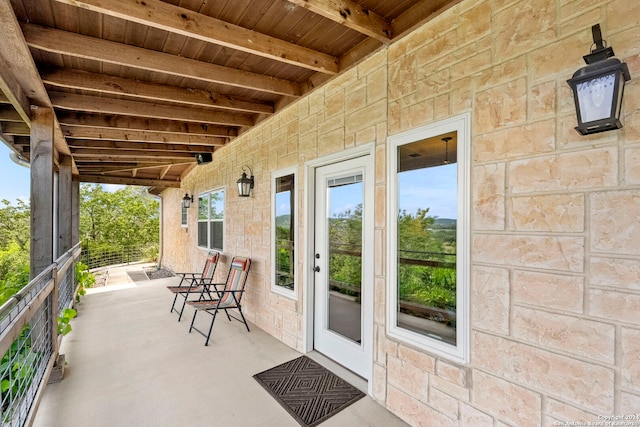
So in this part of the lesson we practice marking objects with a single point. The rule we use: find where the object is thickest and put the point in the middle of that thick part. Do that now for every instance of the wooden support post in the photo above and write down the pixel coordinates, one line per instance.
(75, 211)
(41, 189)
(65, 201)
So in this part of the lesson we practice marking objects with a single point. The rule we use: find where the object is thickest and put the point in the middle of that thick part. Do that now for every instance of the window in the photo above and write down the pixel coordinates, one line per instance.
(284, 232)
(211, 220)
(429, 245)
(184, 219)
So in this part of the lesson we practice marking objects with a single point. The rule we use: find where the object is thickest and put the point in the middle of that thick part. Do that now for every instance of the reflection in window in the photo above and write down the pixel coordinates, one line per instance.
(427, 192)
(211, 220)
(284, 232)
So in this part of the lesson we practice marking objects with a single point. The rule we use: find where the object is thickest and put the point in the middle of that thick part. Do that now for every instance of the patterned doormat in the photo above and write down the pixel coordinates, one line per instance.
(308, 391)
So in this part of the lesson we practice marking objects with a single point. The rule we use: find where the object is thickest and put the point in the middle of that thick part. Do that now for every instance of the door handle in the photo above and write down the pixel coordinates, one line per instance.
(316, 269)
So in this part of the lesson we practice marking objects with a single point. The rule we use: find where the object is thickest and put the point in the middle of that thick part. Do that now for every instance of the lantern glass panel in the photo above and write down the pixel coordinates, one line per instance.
(596, 97)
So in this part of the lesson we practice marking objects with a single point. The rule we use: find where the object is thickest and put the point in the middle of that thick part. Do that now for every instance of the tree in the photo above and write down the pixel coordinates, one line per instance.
(113, 222)
(14, 248)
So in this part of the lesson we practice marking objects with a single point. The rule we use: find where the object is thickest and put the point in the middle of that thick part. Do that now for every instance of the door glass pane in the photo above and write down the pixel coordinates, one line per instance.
(284, 255)
(344, 200)
(427, 222)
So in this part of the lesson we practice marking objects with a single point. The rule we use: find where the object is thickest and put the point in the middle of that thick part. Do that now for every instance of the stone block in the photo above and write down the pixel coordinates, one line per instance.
(492, 394)
(562, 213)
(379, 383)
(419, 359)
(542, 100)
(368, 116)
(402, 77)
(566, 413)
(630, 371)
(556, 291)
(454, 374)
(524, 26)
(552, 59)
(595, 168)
(488, 193)
(501, 73)
(501, 106)
(408, 378)
(514, 142)
(574, 381)
(470, 416)
(547, 252)
(619, 306)
(377, 85)
(356, 99)
(461, 393)
(335, 103)
(474, 23)
(414, 412)
(631, 169)
(614, 273)
(568, 334)
(611, 230)
(444, 403)
(490, 299)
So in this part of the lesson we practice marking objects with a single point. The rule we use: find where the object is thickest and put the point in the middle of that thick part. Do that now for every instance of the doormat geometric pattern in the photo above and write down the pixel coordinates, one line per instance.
(308, 391)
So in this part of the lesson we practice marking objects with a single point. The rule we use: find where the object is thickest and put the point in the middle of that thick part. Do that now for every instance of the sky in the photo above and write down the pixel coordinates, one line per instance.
(14, 179)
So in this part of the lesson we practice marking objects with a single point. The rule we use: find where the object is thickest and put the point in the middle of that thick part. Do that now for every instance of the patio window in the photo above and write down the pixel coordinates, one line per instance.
(284, 234)
(211, 220)
(429, 246)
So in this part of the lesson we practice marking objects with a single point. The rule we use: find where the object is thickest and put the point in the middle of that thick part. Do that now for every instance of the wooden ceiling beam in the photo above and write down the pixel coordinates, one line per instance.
(92, 48)
(102, 83)
(115, 153)
(188, 23)
(120, 145)
(140, 124)
(99, 179)
(94, 104)
(114, 134)
(16, 129)
(351, 15)
(9, 114)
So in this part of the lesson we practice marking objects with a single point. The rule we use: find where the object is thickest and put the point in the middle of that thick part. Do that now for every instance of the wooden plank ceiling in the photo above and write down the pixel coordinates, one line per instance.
(139, 86)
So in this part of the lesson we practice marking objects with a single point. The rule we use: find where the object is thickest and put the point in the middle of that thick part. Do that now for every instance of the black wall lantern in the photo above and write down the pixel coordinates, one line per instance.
(598, 88)
(187, 200)
(245, 184)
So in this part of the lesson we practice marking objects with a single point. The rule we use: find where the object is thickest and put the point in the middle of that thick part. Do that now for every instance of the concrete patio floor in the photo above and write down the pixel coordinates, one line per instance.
(131, 363)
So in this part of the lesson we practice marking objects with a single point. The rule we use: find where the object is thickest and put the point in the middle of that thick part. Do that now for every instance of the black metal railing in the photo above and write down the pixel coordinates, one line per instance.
(96, 256)
(28, 337)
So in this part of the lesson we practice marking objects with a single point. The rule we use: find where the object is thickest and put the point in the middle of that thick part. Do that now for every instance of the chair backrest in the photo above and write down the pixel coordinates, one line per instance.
(210, 265)
(236, 279)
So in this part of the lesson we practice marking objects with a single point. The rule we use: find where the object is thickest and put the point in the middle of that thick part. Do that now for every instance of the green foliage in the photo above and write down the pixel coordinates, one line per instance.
(84, 278)
(64, 321)
(18, 367)
(14, 248)
(426, 238)
(126, 217)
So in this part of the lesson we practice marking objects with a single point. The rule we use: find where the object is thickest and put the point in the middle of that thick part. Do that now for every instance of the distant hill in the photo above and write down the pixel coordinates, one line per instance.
(283, 221)
(445, 223)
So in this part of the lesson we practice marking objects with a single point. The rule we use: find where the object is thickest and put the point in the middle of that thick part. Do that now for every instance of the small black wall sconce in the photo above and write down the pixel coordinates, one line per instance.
(245, 184)
(187, 200)
(598, 88)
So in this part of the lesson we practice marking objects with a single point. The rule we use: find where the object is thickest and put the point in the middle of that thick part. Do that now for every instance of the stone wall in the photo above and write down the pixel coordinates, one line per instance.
(555, 280)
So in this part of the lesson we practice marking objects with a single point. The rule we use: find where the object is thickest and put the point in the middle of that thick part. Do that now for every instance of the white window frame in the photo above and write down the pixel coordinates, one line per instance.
(460, 352)
(290, 293)
(209, 220)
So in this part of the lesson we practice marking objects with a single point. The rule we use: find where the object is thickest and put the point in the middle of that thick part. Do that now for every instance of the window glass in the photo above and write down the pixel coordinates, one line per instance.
(284, 221)
(426, 232)
(211, 220)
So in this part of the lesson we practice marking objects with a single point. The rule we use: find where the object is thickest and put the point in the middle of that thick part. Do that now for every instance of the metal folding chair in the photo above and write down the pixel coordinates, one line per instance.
(194, 283)
(226, 298)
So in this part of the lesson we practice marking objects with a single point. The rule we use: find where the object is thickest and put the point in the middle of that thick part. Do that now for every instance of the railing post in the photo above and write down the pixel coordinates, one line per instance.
(54, 313)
